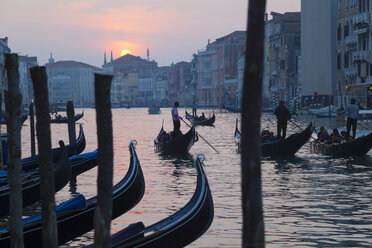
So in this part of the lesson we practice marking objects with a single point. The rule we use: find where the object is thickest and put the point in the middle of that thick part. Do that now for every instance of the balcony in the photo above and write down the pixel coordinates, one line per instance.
(350, 72)
(362, 56)
(361, 19)
(351, 40)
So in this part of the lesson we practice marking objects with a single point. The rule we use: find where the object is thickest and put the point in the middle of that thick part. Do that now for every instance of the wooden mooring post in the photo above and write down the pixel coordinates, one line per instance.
(13, 102)
(47, 191)
(253, 224)
(32, 128)
(103, 213)
(71, 122)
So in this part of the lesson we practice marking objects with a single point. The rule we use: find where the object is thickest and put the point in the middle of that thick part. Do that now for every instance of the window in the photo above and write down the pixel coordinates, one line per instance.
(346, 59)
(339, 32)
(282, 64)
(339, 61)
(346, 29)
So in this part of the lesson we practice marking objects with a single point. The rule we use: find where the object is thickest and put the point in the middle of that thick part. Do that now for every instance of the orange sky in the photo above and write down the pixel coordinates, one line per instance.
(83, 30)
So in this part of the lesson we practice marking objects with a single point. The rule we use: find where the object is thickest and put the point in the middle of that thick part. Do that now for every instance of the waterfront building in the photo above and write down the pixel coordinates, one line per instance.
(284, 51)
(25, 81)
(217, 70)
(145, 71)
(124, 89)
(71, 81)
(180, 85)
(3, 50)
(318, 52)
(161, 92)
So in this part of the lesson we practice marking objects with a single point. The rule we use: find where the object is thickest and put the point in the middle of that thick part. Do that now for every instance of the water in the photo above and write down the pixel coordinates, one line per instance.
(309, 200)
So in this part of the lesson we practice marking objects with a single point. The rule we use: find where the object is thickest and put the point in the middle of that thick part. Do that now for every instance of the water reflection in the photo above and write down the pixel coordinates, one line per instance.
(309, 200)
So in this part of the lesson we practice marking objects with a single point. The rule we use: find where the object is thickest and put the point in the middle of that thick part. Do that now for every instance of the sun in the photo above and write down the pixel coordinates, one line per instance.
(125, 52)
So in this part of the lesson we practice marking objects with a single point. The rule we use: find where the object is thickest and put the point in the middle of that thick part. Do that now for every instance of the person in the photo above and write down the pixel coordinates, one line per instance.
(344, 136)
(194, 109)
(335, 136)
(202, 116)
(176, 119)
(283, 116)
(323, 135)
(352, 112)
(360, 106)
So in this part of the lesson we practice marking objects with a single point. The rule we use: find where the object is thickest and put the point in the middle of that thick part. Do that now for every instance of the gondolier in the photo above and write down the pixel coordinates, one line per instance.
(176, 119)
(283, 116)
(194, 109)
(352, 112)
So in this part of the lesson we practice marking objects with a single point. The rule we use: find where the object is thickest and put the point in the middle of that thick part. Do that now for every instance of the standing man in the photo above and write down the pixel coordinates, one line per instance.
(176, 119)
(352, 112)
(194, 109)
(283, 116)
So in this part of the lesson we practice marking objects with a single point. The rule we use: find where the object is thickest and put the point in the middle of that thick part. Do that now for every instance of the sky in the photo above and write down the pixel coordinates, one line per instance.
(83, 30)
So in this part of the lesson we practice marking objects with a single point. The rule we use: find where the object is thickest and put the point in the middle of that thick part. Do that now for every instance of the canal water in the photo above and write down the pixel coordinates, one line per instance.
(309, 200)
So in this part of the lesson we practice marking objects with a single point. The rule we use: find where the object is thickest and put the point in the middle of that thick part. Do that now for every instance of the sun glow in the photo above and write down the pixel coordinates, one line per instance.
(125, 52)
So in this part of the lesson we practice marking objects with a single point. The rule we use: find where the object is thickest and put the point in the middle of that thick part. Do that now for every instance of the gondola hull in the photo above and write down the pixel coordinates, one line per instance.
(357, 147)
(65, 119)
(177, 230)
(126, 194)
(284, 147)
(177, 145)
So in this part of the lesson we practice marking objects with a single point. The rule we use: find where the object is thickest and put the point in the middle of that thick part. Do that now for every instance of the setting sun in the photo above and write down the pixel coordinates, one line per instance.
(125, 52)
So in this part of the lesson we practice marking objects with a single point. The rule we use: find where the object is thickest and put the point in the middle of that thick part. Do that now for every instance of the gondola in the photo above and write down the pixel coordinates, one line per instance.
(177, 230)
(32, 162)
(357, 147)
(74, 223)
(64, 119)
(31, 184)
(233, 109)
(283, 147)
(198, 121)
(166, 143)
(23, 119)
(154, 110)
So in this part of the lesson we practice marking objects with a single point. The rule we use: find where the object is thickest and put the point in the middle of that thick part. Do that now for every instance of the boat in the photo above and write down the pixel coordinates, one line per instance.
(177, 230)
(154, 110)
(32, 162)
(233, 109)
(282, 147)
(23, 119)
(200, 121)
(166, 143)
(58, 119)
(31, 184)
(357, 147)
(329, 108)
(326, 114)
(74, 223)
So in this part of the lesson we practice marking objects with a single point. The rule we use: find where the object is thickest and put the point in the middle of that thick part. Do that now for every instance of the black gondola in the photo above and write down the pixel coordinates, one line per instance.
(63, 119)
(31, 184)
(177, 230)
(32, 162)
(154, 110)
(357, 147)
(166, 143)
(71, 224)
(283, 147)
(199, 121)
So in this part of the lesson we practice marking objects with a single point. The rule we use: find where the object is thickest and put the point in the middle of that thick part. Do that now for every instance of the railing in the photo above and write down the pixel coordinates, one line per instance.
(350, 72)
(362, 18)
(362, 56)
(352, 39)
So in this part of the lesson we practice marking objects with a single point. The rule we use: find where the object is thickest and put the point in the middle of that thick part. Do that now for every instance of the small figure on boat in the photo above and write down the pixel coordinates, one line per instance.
(352, 112)
(267, 137)
(335, 136)
(194, 109)
(344, 136)
(176, 120)
(323, 135)
(283, 116)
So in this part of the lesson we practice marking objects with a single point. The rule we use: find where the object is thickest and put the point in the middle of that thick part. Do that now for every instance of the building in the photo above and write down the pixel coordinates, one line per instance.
(180, 86)
(318, 52)
(284, 50)
(25, 81)
(124, 89)
(161, 92)
(3, 50)
(144, 69)
(71, 81)
(216, 69)
(354, 56)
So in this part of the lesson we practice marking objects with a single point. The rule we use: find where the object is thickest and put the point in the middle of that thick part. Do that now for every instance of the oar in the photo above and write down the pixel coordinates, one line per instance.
(201, 137)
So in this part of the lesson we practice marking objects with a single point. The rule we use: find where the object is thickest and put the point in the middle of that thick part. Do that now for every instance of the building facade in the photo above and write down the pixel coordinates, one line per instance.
(71, 81)
(180, 87)
(3, 50)
(318, 52)
(25, 81)
(283, 54)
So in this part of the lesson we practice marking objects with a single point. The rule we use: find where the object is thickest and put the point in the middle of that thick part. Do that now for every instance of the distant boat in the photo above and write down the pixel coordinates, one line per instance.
(153, 110)
(232, 109)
